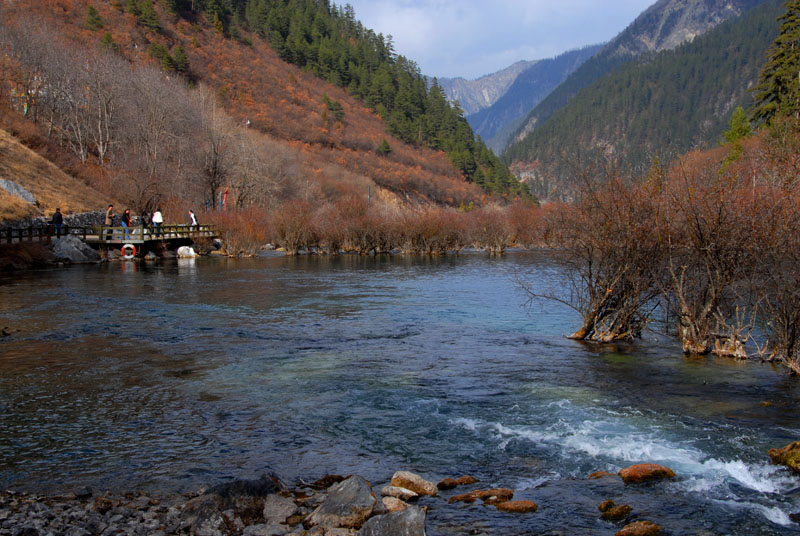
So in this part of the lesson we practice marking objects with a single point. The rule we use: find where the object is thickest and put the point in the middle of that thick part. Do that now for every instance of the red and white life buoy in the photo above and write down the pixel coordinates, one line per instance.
(128, 256)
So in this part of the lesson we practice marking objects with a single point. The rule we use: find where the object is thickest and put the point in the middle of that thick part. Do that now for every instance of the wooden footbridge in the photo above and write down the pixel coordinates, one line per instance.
(142, 238)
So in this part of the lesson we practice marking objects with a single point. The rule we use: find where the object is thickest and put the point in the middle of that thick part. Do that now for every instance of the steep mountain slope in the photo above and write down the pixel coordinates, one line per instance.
(315, 141)
(657, 106)
(475, 95)
(496, 122)
(662, 26)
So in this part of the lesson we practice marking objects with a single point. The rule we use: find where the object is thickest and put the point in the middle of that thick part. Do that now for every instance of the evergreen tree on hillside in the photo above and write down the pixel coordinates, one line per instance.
(778, 89)
(328, 41)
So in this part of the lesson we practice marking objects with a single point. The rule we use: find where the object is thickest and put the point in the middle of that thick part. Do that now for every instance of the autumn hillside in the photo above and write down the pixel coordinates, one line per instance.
(50, 185)
(306, 138)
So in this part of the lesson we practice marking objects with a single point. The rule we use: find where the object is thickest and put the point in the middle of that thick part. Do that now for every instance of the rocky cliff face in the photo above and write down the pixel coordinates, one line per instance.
(668, 23)
(475, 95)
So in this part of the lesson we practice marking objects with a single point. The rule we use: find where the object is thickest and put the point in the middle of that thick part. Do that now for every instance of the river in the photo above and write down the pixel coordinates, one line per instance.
(170, 376)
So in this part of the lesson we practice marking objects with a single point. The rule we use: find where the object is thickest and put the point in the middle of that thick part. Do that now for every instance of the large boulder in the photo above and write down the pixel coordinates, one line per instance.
(409, 522)
(73, 249)
(348, 505)
(645, 472)
(788, 456)
(417, 484)
(243, 499)
(186, 252)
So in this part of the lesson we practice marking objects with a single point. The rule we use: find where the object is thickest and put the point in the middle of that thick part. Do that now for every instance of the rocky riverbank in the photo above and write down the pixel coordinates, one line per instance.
(331, 506)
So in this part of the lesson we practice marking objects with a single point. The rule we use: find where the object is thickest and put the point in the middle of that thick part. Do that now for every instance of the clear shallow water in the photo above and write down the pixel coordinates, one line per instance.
(179, 375)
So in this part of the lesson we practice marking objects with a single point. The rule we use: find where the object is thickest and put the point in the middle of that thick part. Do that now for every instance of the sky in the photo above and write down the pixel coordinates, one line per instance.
(472, 38)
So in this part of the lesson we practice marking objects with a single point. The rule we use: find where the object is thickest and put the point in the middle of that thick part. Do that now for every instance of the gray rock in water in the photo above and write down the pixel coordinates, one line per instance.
(15, 189)
(348, 505)
(409, 522)
(73, 249)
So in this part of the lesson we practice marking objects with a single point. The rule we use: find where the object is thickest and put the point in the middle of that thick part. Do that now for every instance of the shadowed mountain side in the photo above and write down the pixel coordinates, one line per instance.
(529, 88)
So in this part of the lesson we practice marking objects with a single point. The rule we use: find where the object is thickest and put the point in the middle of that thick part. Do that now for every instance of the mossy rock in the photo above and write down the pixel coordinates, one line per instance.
(788, 456)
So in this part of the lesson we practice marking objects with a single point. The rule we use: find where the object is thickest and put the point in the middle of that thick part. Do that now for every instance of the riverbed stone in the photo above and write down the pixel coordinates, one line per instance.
(645, 472)
(393, 504)
(517, 507)
(414, 482)
(409, 522)
(788, 456)
(278, 509)
(327, 481)
(447, 483)
(348, 505)
(398, 492)
(612, 512)
(466, 480)
(639, 528)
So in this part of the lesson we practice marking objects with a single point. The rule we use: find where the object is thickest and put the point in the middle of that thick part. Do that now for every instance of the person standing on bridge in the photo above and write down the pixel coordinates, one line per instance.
(58, 222)
(192, 221)
(157, 220)
(109, 221)
(126, 222)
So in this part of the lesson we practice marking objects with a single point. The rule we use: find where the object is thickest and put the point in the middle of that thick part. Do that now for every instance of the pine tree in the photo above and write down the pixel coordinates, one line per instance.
(778, 91)
(148, 16)
(93, 20)
(179, 59)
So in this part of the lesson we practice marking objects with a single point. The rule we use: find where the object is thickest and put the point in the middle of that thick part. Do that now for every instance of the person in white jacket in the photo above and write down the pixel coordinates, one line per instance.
(158, 219)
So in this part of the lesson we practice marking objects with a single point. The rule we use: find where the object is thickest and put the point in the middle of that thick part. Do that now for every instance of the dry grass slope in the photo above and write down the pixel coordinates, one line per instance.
(51, 186)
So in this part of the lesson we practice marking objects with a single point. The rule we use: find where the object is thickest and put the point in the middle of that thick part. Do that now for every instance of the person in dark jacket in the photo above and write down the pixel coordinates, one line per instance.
(58, 222)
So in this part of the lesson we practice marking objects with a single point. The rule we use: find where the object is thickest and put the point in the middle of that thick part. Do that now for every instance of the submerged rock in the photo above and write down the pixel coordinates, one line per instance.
(600, 474)
(417, 484)
(788, 456)
(639, 528)
(645, 472)
(348, 505)
(611, 512)
(450, 483)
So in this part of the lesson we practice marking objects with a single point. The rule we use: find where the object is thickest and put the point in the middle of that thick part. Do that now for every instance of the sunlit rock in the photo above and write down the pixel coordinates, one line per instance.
(417, 484)
(393, 504)
(639, 528)
(399, 493)
(788, 456)
(644, 472)
(518, 507)
(186, 252)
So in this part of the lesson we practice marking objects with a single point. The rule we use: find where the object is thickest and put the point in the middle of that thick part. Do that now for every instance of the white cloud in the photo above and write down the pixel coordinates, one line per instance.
(470, 38)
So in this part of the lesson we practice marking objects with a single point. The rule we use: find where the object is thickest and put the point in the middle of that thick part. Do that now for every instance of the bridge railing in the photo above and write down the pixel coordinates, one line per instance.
(39, 234)
(141, 233)
(103, 234)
